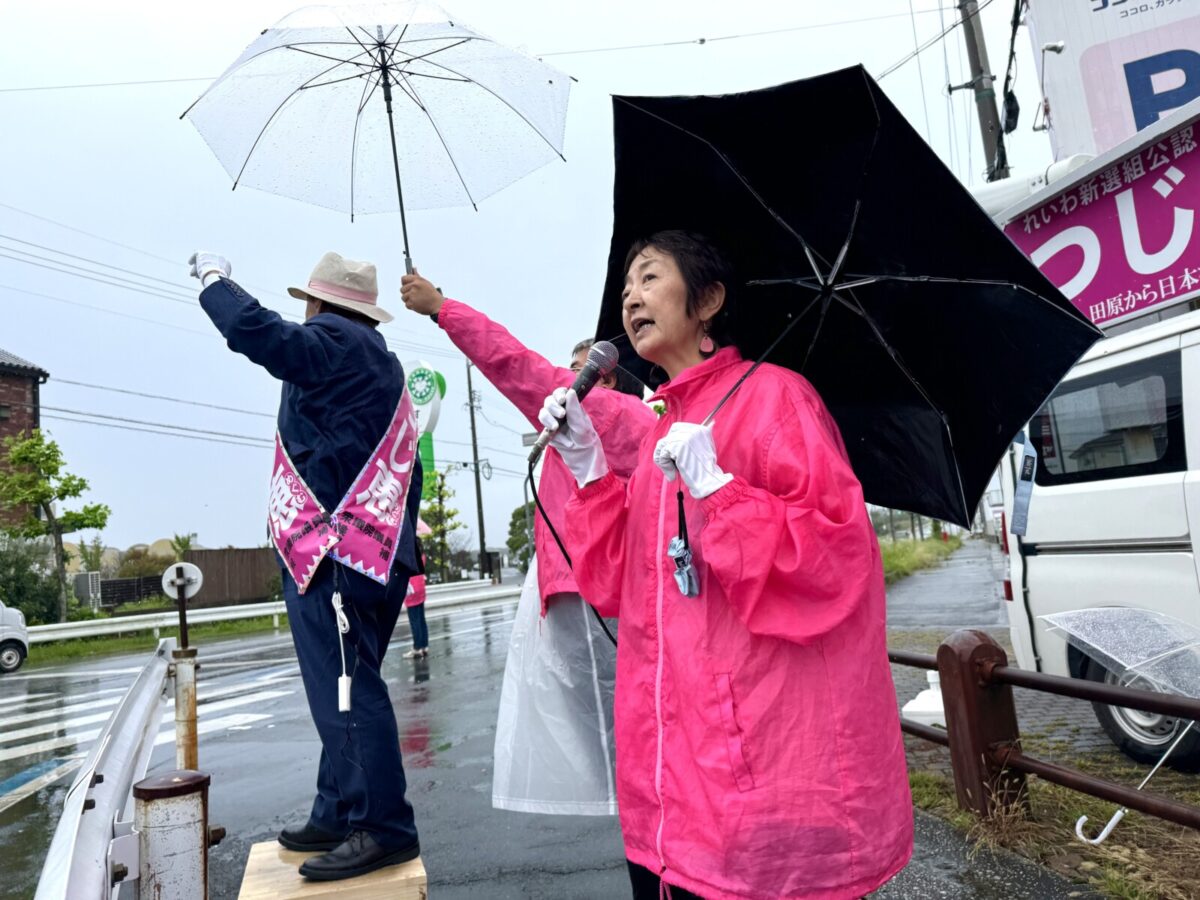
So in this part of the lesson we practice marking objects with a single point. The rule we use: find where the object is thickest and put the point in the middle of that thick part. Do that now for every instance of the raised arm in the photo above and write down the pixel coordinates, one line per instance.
(304, 355)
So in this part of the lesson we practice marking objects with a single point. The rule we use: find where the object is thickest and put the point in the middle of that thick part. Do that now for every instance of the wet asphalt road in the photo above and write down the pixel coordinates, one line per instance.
(261, 749)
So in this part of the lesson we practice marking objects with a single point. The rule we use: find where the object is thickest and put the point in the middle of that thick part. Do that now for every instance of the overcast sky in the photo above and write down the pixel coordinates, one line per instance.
(116, 163)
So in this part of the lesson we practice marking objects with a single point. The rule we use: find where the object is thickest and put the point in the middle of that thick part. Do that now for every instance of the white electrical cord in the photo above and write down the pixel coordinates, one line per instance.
(343, 625)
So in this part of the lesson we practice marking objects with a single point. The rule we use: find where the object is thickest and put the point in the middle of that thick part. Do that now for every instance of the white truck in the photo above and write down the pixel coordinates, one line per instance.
(1114, 515)
(14, 639)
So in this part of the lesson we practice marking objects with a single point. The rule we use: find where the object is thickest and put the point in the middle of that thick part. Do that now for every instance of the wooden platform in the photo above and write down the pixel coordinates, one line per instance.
(271, 874)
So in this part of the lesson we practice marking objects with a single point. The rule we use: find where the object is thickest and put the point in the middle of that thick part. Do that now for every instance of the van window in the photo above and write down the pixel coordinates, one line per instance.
(1120, 423)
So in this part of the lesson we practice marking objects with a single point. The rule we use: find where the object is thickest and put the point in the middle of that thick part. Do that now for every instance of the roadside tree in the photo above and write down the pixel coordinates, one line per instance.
(33, 479)
(26, 582)
(181, 544)
(443, 523)
(520, 536)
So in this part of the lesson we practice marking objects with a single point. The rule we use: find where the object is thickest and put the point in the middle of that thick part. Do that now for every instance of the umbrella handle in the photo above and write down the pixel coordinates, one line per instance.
(1103, 835)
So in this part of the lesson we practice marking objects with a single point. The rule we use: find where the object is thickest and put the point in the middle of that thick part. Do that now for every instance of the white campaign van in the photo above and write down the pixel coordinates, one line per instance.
(14, 639)
(1114, 518)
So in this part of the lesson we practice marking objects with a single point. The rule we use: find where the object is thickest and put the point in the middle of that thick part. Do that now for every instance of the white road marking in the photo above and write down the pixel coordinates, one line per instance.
(237, 720)
(83, 738)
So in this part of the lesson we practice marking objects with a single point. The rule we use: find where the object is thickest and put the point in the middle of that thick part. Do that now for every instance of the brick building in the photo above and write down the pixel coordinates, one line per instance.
(20, 402)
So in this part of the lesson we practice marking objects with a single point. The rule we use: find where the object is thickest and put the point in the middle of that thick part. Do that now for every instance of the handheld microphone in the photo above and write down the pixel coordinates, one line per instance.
(601, 360)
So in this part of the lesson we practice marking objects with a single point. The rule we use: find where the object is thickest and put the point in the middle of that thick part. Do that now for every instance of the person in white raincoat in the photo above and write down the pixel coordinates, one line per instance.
(554, 747)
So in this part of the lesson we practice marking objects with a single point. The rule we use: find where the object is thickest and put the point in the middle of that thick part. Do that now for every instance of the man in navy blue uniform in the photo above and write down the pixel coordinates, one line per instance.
(341, 387)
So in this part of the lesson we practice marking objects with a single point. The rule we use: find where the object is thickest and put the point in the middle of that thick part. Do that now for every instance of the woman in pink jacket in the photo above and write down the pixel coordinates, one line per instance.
(759, 751)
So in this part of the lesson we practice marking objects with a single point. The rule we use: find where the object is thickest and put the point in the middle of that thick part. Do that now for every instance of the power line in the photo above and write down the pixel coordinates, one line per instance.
(140, 290)
(485, 418)
(103, 278)
(732, 37)
(190, 437)
(111, 312)
(90, 234)
(700, 41)
(71, 87)
(951, 136)
(929, 43)
(100, 387)
(184, 428)
(920, 72)
(395, 343)
(172, 284)
(218, 407)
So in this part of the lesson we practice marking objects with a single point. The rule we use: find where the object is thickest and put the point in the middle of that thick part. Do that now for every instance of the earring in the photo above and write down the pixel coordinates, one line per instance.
(706, 342)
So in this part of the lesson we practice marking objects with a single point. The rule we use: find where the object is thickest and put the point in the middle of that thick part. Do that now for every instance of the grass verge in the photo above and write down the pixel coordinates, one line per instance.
(1144, 858)
(905, 557)
(58, 651)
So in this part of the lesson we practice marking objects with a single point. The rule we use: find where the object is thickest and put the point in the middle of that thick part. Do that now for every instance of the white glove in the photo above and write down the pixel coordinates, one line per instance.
(208, 267)
(688, 451)
(575, 437)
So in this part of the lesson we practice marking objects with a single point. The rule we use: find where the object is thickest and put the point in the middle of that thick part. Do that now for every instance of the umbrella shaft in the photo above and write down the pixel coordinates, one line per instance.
(385, 77)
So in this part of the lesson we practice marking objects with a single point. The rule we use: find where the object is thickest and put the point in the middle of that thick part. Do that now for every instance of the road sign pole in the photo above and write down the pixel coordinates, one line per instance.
(181, 595)
(186, 579)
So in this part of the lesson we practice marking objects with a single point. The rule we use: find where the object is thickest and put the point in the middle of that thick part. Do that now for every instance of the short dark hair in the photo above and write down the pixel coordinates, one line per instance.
(702, 264)
(327, 307)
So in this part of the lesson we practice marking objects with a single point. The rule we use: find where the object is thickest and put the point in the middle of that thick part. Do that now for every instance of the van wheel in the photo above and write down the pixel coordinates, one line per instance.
(12, 655)
(1143, 736)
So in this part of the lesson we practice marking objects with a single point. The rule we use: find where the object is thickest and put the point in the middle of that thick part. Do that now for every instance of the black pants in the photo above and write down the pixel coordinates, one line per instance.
(648, 886)
(360, 778)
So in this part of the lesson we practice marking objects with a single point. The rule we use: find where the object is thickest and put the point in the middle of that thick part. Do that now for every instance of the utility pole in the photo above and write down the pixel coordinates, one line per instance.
(485, 568)
(982, 81)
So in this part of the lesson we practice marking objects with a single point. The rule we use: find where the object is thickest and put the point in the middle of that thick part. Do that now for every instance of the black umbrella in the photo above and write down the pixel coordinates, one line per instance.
(866, 266)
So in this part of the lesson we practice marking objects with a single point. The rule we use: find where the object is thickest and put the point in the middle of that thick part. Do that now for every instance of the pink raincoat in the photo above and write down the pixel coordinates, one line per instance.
(525, 378)
(759, 751)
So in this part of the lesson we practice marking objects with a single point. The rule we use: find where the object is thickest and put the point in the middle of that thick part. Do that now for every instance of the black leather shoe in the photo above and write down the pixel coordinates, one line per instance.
(357, 855)
(309, 838)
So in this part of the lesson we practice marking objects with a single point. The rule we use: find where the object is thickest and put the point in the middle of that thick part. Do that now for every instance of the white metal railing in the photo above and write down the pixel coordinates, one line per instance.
(90, 836)
(438, 595)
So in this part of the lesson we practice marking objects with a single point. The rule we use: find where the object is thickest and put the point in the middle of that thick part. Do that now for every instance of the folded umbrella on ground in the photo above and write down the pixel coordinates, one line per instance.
(1144, 649)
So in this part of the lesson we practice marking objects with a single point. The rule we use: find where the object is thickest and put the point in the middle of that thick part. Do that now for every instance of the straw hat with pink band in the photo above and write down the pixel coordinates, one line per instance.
(345, 283)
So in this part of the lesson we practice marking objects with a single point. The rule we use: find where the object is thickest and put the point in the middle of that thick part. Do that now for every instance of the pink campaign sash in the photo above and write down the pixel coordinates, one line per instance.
(364, 531)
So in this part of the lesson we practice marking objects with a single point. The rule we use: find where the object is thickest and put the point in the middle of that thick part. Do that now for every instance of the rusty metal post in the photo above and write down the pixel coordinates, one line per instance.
(187, 754)
(980, 720)
(171, 820)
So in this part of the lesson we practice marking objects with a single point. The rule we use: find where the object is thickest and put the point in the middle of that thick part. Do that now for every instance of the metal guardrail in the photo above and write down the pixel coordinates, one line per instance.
(985, 744)
(95, 851)
(88, 840)
(438, 595)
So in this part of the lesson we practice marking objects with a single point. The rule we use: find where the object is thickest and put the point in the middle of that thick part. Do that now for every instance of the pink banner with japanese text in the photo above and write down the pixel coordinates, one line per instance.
(363, 533)
(300, 530)
(371, 515)
(1125, 241)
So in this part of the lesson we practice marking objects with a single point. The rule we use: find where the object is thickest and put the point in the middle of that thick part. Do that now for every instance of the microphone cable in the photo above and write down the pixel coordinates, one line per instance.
(562, 549)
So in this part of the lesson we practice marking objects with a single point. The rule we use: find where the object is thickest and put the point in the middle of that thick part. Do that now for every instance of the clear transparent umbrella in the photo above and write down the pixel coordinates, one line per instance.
(1147, 649)
(382, 107)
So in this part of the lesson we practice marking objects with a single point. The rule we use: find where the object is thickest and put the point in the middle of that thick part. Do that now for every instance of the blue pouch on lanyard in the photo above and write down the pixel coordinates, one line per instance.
(1026, 469)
